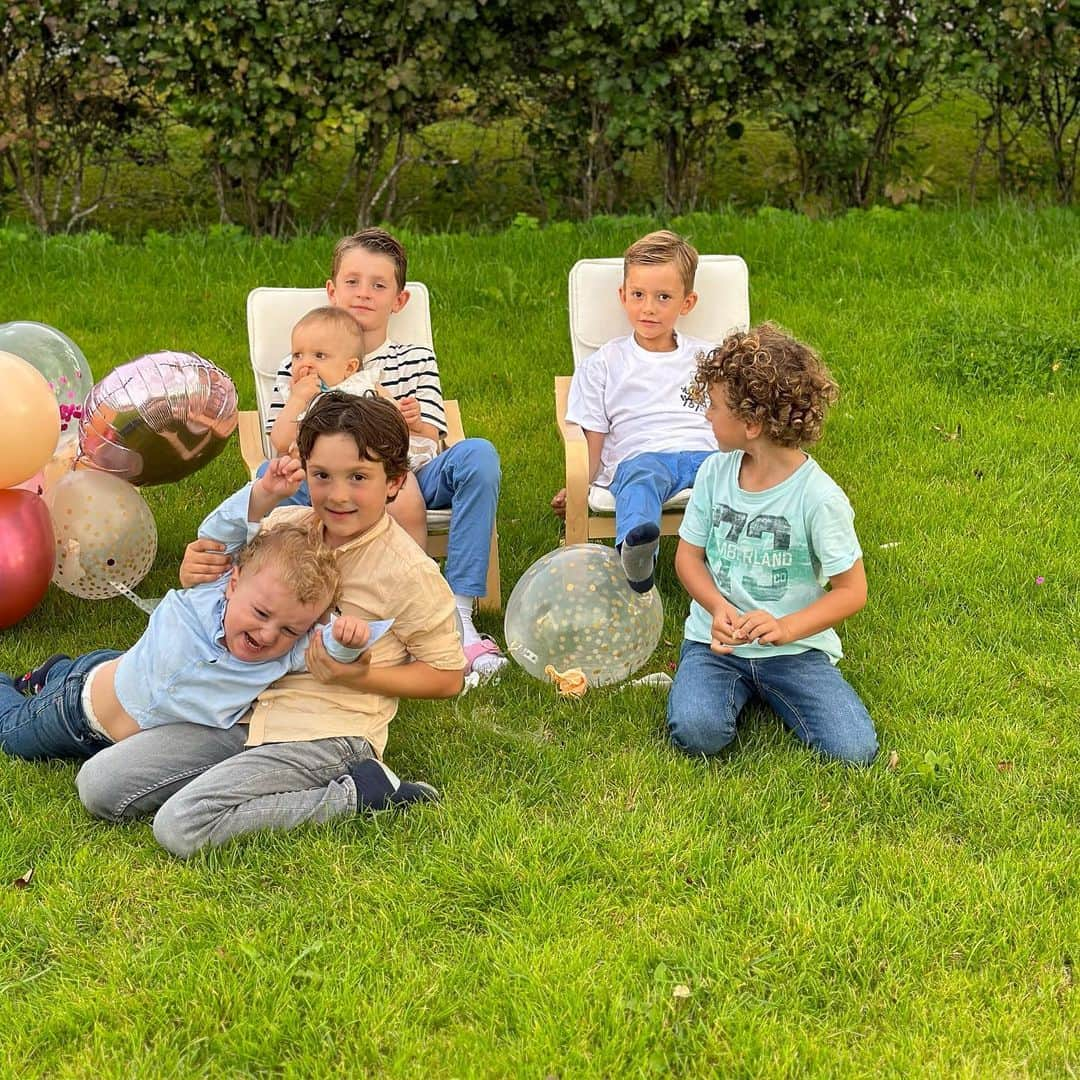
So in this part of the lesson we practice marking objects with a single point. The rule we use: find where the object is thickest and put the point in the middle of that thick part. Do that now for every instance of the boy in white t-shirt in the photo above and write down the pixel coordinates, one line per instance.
(765, 531)
(647, 435)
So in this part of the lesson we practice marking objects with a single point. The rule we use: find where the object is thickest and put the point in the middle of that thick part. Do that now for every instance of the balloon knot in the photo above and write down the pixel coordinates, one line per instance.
(570, 683)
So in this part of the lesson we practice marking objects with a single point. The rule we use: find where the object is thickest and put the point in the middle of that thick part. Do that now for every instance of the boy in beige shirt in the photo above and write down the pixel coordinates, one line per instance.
(311, 748)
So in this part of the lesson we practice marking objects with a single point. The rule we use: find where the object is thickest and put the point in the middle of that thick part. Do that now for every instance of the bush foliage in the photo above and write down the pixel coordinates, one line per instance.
(275, 93)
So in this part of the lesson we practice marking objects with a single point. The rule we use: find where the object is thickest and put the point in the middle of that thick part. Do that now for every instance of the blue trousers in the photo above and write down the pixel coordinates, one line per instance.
(465, 478)
(805, 690)
(51, 723)
(643, 483)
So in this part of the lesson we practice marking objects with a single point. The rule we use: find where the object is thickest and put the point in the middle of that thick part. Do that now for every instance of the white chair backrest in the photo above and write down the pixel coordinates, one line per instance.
(596, 316)
(272, 313)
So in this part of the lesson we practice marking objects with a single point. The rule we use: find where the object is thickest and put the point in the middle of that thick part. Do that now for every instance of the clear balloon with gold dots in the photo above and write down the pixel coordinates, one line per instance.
(573, 608)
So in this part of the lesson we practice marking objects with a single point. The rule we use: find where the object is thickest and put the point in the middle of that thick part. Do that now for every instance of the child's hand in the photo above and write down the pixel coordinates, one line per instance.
(204, 560)
(725, 622)
(352, 632)
(766, 629)
(283, 477)
(409, 408)
(328, 670)
(306, 383)
(558, 503)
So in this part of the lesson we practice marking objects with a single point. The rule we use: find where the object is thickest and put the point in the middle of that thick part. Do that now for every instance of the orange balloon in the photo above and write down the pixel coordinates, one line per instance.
(27, 554)
(29, 420)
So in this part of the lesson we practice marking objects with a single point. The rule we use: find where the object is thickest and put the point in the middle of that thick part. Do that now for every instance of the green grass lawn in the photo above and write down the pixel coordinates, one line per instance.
(919, 917)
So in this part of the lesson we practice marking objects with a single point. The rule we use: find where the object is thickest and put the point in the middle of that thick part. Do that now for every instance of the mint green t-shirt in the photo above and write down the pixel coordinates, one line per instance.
(771, 550)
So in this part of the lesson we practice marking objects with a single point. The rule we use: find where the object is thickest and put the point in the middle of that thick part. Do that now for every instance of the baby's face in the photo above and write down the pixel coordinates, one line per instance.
(327, 351)
(263, 617)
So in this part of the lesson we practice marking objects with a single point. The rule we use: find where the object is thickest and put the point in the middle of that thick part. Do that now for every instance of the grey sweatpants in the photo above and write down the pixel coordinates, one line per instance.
(203, 787)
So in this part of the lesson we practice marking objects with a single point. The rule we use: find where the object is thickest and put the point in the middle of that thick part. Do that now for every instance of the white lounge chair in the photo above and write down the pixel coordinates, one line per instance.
(271, 315)
(597, 316)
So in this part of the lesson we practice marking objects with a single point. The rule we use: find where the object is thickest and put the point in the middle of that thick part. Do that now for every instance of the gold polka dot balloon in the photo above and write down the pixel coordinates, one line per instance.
(574, 608)
(104, 532)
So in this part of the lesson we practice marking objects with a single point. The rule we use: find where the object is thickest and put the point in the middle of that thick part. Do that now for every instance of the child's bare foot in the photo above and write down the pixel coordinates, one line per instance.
(558, 503)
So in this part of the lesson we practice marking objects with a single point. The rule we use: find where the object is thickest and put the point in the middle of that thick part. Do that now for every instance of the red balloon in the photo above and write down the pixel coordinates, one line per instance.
(27, 553)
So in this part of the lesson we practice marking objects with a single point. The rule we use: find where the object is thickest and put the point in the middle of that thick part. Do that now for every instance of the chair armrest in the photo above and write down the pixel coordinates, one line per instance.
(251, 444)
(454, 430)
(576, 453)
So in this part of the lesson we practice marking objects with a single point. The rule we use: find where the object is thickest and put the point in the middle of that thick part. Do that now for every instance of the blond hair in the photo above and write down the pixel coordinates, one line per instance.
(306, 565)
(663, 246)
(336, 319)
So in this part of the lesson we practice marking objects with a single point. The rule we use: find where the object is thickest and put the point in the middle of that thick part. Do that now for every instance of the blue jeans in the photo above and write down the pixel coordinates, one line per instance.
(643, 483)
(51, 723)
(465, 477)
(805, 690)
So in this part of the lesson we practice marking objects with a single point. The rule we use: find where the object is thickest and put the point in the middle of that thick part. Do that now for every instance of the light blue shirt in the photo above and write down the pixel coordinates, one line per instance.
(180, 671)
(770, 550)
(229, 522)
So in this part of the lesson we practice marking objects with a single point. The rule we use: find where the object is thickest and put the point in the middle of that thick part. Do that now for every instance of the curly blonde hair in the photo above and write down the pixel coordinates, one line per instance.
(306, 565)
(771, 379)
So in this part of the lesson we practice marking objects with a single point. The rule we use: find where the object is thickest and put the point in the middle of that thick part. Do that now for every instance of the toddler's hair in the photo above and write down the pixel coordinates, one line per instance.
(770, 378)
(340, 320)
(378, 242)
(306, 565)
(375, 424)
(662, 247)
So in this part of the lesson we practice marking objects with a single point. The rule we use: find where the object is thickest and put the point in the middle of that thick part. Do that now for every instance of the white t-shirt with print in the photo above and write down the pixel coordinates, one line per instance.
(640, 400)
(771, 550)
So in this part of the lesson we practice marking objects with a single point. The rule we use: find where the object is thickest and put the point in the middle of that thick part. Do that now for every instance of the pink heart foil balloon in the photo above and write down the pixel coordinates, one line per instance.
(158, 418)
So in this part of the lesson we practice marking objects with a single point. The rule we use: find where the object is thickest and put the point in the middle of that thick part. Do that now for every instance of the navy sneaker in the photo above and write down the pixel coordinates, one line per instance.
(32, 682)
(377, 788)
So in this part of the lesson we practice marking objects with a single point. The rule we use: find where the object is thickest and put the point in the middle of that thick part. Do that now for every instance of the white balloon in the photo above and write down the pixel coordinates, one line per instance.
(104, 533)
(574, 609)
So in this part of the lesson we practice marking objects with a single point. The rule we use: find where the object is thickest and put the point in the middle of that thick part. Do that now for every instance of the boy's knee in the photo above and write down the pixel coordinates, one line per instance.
(854, 744)
(173, 830)
(696, 732)
(480, 458)
(97, 790)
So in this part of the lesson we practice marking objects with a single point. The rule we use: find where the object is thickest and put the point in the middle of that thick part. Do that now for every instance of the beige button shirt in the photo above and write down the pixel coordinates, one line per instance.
(384, 575)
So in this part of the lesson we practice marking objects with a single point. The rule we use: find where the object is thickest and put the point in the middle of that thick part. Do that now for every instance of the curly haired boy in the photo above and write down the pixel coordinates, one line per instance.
(765, 532)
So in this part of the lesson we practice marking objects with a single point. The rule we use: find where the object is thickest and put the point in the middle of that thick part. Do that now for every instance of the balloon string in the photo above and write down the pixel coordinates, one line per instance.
(146, 606)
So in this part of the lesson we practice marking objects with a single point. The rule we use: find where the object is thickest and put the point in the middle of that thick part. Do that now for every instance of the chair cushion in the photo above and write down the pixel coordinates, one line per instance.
(601, 501)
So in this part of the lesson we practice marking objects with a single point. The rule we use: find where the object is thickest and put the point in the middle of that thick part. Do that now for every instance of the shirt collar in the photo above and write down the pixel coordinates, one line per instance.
(379, 351)
(218, 616)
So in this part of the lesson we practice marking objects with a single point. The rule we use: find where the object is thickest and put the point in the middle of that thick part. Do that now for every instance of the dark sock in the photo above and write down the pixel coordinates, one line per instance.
(34, 680)
(638, 555)
(378, 789)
